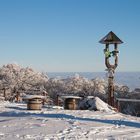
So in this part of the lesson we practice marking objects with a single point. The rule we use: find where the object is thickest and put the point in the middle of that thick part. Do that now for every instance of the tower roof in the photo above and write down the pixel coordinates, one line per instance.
(110, 38)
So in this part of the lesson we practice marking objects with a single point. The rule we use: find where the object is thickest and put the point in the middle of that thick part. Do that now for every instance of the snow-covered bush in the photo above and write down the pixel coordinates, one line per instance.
(54, 87)
(77, 85)
(81, 86)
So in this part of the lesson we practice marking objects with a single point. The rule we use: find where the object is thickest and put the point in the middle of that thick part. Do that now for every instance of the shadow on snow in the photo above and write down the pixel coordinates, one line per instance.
(65, 116)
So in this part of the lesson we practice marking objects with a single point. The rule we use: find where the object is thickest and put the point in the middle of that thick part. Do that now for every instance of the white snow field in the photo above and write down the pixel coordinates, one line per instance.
(54, 123)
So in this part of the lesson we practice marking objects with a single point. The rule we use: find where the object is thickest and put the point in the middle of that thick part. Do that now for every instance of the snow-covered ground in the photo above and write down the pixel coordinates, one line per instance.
(53, 123)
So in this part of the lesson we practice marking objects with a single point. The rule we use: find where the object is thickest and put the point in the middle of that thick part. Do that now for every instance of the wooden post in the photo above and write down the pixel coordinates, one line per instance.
(57, 100)
(17, 96)
(4, 93)
(111, 90)
(119, 106)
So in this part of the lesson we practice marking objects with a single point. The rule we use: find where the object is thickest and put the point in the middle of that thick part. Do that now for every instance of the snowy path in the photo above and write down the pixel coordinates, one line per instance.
(16, 123)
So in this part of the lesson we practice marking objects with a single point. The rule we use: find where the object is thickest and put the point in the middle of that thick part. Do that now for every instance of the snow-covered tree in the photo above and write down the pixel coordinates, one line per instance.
(16, 78)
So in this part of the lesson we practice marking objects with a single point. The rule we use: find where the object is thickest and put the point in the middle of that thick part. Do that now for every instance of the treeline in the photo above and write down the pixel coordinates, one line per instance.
(16, 80)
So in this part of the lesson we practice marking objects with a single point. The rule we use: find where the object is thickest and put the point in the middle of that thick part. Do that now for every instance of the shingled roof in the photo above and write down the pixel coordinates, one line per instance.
(110, 38)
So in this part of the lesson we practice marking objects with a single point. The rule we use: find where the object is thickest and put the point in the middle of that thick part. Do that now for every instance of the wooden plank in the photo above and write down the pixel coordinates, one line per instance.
(128, 100)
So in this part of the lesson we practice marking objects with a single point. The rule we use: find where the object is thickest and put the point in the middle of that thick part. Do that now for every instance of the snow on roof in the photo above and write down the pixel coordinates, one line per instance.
(90, 97)
(75, 97)
(33, 97)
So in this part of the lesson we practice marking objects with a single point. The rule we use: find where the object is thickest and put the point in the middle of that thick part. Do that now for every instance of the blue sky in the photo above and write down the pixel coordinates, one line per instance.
(63, 35)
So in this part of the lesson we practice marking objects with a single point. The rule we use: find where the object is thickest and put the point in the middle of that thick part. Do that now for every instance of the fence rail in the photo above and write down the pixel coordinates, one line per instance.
(119, 100)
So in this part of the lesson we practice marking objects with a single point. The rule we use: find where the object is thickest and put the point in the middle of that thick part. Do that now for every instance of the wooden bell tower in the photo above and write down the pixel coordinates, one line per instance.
(109, 39)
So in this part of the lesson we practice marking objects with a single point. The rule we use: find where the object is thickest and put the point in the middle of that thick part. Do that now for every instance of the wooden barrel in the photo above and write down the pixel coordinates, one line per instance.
(71, 103)
(34, 104)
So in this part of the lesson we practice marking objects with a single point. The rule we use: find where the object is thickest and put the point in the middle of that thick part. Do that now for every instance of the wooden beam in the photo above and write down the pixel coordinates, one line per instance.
(128, 100)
